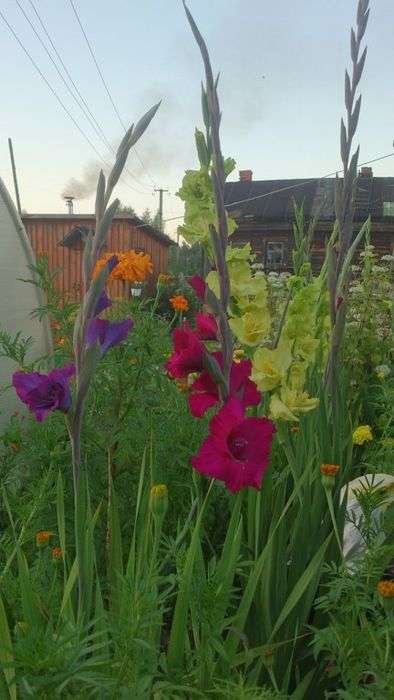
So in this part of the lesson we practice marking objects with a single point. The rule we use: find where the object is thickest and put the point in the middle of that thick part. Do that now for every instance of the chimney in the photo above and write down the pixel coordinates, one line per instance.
(366, 172)
(245, 175)
(69, 202)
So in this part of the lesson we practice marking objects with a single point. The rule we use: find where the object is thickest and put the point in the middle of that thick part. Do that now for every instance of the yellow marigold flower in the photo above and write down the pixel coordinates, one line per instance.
(238, 355)
(329, 469)
(362, 434)
(164, 279)
(386, 589)
(179, 302)
(57, 554)
(132, 267)
(43, 537)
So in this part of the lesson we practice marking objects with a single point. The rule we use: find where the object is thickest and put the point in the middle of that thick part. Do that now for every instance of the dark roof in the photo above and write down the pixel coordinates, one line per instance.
(316, 195)
(76, 218)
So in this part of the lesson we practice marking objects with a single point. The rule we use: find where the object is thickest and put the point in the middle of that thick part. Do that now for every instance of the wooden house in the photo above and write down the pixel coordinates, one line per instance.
(264, 212)
(60, 237)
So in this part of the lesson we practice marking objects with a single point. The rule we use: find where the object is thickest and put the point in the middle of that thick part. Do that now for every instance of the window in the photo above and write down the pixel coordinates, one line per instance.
(388, 208)
(275, 255)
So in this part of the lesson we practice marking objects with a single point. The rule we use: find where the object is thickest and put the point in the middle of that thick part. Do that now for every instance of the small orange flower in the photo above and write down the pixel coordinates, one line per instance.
(60, 341)
(43, 537)
(183, 385)
(179, 302)
(294, 429)
(386, 589)
(329, 469)
(14, 446)
(57, 554)
(55, 325)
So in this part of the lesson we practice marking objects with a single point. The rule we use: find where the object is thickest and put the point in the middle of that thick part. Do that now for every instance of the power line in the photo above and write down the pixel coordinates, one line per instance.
(111, 99)
(85, 109)
(292, 187)
(59, 100)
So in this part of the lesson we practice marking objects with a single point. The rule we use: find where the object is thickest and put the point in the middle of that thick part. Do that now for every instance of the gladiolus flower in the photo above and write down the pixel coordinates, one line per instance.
(237, 449)
(206, 327)
(107, 333)
(362, 434)
(44, 393)
(188, 355)
(103, 303)
(179, 302)
(205, 394)
(199, 285)
(43, 537)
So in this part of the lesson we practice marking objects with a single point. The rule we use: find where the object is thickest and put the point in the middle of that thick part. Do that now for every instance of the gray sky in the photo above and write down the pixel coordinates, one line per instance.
(285, 124)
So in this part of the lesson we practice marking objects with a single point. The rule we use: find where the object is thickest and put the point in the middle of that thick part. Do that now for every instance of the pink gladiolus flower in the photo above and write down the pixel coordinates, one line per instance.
(199, 285)
(237, 449)
(204, 392)
(188, 353)
(206, 327)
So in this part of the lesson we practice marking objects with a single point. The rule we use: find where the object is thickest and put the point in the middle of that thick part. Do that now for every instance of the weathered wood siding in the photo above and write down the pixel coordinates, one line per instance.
(45, 235)
(259, 234)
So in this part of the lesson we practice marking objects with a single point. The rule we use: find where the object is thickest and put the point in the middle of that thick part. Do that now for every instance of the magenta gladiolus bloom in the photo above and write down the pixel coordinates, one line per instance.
(237, 449)
(188, 355)
(103, 303)
(206, 326)
(107, 333)
(199, 285)
(44, 393)
(204, 392)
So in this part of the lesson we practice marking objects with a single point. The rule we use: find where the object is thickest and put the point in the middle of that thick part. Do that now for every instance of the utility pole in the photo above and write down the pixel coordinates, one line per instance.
(160, 191)
(18, 201)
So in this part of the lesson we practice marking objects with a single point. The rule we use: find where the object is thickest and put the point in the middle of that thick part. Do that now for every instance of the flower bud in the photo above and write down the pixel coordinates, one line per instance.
(43, 537)
(159, 500)
(57, 554)
(386, 593)
(328, 473)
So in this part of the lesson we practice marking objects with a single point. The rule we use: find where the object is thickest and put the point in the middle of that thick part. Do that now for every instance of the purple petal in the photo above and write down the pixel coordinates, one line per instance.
(25, 382)
(103, 303)
(107, 333)
(112, 262)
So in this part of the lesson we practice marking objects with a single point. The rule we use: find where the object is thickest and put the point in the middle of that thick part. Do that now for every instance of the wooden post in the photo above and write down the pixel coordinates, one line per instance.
(18, 201)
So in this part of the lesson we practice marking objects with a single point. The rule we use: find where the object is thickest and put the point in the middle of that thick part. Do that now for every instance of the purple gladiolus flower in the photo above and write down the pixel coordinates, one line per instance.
(44, 393)
(103, 303)
(107, 333)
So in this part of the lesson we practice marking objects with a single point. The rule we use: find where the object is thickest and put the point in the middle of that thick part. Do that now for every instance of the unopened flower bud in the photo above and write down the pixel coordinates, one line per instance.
(159, 500)
(328, 473)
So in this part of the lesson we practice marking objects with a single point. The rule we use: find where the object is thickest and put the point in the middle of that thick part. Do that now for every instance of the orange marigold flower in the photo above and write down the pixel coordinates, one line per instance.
(55, 325)
(329, 469)
(43, 537)
(386, 589)
(294, 429)
(14, 446)
(179, 302)
(57, 553)
(132, 267)
(60, 341)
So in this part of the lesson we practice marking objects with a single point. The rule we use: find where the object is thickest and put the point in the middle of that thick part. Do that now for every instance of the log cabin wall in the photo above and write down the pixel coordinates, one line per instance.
(47, 232)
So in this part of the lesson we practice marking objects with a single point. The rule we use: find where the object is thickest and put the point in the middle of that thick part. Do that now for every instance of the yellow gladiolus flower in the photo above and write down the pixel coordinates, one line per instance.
(270, 366)
(279, 411)
(251, 328)
(298, 401)
(362, 434)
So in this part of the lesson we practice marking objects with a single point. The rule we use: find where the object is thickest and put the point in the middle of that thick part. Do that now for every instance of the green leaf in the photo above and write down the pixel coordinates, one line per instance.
(307, 578)
(6, 654)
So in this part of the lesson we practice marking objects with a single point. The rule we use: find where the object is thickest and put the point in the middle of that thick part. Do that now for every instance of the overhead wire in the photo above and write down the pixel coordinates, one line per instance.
(292, 187)
(58, 98)
(106, 87)
(84, 107)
